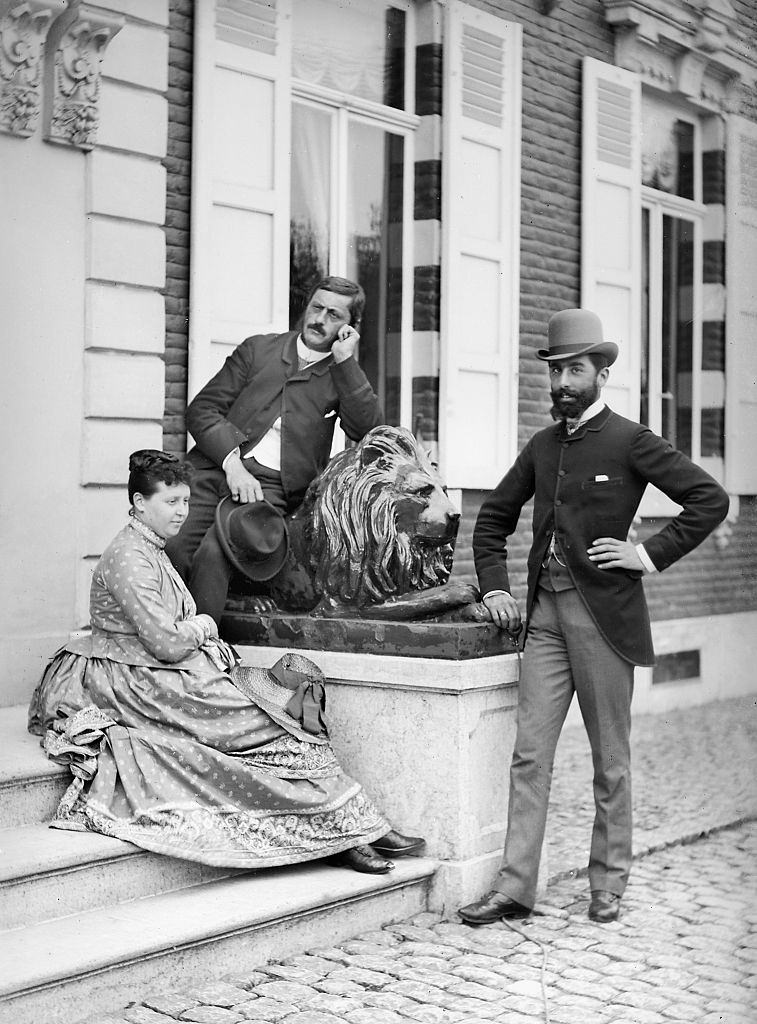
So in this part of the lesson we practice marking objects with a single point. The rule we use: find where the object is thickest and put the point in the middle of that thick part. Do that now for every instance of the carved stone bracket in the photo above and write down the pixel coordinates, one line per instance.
(689, 47)
(23, 28)
(76, 47)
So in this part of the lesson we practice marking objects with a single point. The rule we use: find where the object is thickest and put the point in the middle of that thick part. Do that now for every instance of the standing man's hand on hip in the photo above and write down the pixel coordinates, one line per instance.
(244, 487)
(345, 344)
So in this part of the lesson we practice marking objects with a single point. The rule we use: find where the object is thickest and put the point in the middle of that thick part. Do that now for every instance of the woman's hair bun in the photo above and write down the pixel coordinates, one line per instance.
(149, 458)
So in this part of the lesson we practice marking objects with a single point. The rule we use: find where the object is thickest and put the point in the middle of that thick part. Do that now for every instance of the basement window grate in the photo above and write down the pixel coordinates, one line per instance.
(677, 666)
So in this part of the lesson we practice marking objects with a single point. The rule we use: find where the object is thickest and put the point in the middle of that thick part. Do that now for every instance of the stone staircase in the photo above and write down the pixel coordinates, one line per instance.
(86, 919)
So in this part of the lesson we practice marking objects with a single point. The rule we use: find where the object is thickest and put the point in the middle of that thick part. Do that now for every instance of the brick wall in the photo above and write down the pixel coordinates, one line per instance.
(178, 164)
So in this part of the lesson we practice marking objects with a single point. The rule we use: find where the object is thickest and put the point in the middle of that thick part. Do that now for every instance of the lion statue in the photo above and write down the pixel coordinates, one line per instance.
(374, 536)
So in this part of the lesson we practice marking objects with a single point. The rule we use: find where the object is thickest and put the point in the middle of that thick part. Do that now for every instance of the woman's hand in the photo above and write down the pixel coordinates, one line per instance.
(208, 624)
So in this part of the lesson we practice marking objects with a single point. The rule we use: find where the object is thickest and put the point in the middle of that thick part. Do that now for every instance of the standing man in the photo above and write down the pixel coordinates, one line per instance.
(264, 425)
(587, 620)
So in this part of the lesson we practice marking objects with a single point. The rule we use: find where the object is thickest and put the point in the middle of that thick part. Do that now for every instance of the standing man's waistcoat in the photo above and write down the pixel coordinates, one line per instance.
(589, 485)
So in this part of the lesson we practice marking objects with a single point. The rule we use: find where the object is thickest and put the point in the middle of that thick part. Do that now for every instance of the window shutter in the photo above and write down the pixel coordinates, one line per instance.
(481, 239)
(240, 178)
(741, 306)
(611, 222)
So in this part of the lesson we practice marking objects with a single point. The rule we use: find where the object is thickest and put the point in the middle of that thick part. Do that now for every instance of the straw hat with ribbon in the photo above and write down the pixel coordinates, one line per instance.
(291, 691)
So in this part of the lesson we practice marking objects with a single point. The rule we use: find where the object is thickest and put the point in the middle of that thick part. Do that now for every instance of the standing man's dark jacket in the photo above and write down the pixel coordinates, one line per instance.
(589, 485)
(258, 383)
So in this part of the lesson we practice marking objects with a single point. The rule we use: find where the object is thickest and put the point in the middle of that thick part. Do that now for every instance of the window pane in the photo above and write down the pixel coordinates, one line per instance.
(374, 253)
(310, 203)
(677, 330)
(667, 153)
(645, 411)
(355, 46)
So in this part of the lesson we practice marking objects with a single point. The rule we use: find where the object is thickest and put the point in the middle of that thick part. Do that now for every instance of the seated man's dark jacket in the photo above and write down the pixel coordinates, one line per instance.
(560, 472)
(258, 383)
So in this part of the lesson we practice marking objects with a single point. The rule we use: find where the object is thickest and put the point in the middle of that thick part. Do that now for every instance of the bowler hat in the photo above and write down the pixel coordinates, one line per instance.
(291, 691)
(577, 332)
(254, 537)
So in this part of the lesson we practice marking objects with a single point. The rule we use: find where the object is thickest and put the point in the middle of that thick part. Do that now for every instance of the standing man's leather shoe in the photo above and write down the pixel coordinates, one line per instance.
(604, 906)
(394, 844)
(492, 907)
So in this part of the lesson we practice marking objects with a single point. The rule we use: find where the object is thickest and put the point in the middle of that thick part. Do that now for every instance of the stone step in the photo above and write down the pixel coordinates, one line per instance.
(72, 968)
(30, 785)
(47, 873)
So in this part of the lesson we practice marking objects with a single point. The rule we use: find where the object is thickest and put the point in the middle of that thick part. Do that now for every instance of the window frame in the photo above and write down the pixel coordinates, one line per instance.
(659, 205)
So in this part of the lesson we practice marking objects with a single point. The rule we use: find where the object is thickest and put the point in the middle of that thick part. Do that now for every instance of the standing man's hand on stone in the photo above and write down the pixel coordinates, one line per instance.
(345, 343)
(504, 612)
(244, 487)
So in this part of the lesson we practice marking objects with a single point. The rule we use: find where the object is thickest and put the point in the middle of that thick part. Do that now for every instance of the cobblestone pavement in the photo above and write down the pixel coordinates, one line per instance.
(693, 770)
(683, 951)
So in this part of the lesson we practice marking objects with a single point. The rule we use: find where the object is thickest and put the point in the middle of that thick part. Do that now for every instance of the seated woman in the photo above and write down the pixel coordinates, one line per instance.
(167, 750)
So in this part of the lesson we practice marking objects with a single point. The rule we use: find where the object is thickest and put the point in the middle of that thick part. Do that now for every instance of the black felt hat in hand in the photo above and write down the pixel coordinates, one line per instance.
(254, 537)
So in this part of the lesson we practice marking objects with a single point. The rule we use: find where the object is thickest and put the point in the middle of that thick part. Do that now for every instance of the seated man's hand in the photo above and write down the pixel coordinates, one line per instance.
(244, 486)
(504, 612)
(345, 344)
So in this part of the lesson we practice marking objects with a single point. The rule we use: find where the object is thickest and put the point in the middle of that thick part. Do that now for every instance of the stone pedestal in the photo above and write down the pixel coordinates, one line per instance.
(431, 740)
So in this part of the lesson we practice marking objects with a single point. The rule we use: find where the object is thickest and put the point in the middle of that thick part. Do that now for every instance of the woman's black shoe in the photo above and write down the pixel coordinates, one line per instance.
(361, 858)
(394, 844)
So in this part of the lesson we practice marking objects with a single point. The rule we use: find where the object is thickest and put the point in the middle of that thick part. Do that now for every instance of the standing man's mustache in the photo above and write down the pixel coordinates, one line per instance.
(317, 328)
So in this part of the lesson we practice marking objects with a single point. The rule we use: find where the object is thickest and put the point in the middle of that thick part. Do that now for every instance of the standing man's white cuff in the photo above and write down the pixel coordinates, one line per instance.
(646, 561)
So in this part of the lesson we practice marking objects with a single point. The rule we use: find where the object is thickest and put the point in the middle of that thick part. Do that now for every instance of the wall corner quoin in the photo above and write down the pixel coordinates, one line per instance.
(24, 27)
(76, 46)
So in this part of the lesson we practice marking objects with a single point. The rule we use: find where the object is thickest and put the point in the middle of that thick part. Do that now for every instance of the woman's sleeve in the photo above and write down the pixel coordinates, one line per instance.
(134, 582)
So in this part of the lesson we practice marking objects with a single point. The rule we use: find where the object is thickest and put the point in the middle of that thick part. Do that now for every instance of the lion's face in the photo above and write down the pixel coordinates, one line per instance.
(422, 508)
(382, 523)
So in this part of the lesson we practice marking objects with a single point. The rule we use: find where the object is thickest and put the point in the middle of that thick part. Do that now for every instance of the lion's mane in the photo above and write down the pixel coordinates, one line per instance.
(357, 552)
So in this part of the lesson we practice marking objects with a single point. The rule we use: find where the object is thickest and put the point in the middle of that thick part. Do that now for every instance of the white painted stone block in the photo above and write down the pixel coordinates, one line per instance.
(122, 185)
(155, 11)
(107, 445)
(431, 740)
(104, 510)
(125, 252)
(120, 317)
(83, 583)
(133, 120)
(123, 386)
(138, 55)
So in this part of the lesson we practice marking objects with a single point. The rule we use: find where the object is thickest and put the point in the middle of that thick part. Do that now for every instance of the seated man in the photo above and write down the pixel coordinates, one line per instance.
(264, 425)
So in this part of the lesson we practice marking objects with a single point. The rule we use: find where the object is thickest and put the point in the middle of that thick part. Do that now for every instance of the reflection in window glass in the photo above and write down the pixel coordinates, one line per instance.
(667, 152)
(677, 330)
(374, 252)
(645, 411)
(310, 203)
(353, 46)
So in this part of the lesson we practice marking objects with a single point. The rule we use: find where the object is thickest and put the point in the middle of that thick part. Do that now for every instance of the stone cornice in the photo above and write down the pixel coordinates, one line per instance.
(687, 47)
(23, 28)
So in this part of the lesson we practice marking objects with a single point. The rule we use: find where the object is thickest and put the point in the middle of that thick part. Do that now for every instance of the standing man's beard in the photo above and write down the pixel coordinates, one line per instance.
(571, 405)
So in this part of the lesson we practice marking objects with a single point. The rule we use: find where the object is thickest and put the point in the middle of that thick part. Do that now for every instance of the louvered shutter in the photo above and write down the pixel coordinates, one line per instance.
(481, 238)
(240, 178)
(611, 221)
(741, 306)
